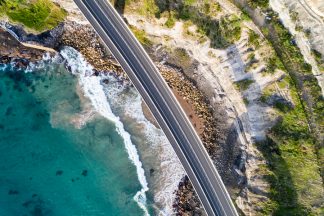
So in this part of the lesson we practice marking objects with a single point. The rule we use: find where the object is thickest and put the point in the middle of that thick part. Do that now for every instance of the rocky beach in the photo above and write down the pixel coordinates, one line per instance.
(83, 38)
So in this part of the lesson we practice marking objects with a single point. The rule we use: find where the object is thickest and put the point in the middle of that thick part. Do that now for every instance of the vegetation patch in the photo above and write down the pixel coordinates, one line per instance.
(222, 32)
(146, 8)
(319, 59)
(254, 39)
(141, 36)
(244, 84)
(211, 8)
(182, 57)
(293, 150)
(38, 15)
(292, 169)
(274, 63)
(301, 74)
(293, 166)
(258, 3)
(171, 20)
(231, 28)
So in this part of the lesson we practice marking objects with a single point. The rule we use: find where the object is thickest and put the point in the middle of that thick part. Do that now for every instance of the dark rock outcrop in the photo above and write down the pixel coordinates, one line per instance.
(12, 51)
(50, 38)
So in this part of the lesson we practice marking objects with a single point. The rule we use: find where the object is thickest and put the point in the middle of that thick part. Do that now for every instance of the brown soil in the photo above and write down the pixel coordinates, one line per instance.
(197, 122)
(188, 107)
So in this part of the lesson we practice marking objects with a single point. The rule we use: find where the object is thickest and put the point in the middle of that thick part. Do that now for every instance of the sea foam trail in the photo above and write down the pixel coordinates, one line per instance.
(94, 91)
(128, 103)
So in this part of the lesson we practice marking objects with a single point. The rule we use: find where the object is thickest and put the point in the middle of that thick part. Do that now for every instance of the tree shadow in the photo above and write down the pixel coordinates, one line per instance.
(119, 5)
(283, 191)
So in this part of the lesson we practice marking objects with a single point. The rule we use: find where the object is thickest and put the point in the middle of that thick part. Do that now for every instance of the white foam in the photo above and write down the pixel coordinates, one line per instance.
(3, 67)
(94, 91)
(171, 170)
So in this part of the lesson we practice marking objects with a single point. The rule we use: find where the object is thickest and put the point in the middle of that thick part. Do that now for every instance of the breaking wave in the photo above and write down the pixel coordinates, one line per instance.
(152, 143)
(94, 91)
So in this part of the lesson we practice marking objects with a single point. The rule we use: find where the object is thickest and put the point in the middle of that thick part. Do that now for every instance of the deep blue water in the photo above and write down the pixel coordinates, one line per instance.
(50, 167)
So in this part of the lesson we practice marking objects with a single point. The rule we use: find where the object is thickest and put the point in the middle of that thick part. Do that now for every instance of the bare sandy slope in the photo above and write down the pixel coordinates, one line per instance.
(221, 69)
(310, 16)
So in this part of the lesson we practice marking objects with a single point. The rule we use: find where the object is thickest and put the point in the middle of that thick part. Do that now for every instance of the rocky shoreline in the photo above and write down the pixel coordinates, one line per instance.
(12, 51)
(84, 39)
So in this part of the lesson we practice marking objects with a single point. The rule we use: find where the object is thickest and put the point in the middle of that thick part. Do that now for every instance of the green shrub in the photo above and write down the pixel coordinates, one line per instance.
(244, 84)
(141, 36)
(259, 3)
(274, 63)
(319, 59)
(39, 15)
(170, 21)
(253, 39)
(231, 28)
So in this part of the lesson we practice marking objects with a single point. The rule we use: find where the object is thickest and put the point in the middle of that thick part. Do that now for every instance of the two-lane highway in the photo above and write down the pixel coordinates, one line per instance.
(161, 101)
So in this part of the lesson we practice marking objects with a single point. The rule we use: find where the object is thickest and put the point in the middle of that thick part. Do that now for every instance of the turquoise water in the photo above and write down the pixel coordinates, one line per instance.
(48, 166)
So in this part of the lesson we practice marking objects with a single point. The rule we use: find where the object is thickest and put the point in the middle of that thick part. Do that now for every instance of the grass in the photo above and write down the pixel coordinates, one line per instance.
(246, 101)
(319, 59)
(182, 57)
(222, 33)
(293, 171)
(170, 21)
(39, 15)
(258, 3)
(211, 8)
(274, 63)
(141, 36)
(301, 73)
(147, 8)
(243, 85)
(231, 28)
(293, 165)
(254, 39)
(295, 155)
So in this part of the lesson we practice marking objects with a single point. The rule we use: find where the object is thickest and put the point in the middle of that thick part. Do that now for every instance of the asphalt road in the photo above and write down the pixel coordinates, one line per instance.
(161, 101)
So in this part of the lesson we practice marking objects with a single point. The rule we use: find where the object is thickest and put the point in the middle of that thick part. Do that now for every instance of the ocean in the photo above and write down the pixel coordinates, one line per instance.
(73, 144)
(57, 156)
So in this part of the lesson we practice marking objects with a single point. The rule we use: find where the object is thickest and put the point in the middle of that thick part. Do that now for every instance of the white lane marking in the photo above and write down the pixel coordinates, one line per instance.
(194, 135)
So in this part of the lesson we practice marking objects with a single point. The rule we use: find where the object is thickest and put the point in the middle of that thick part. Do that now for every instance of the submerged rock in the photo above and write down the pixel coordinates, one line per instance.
(85, 173)
(59, 172)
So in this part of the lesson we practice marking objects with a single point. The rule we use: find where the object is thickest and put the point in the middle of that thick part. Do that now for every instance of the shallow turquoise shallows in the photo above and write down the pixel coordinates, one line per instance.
(50, 167)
